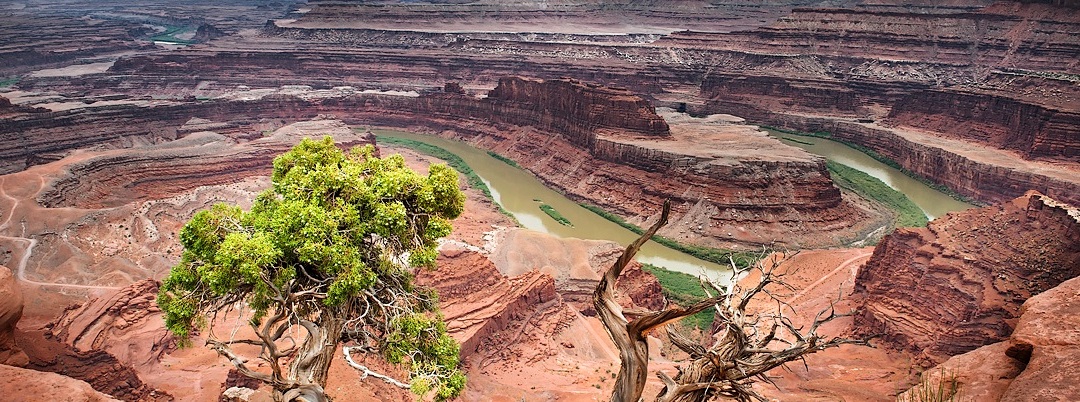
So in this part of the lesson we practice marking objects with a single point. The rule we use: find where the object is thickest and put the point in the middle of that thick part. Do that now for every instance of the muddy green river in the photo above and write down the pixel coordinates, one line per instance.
(522, 194)
(516, 190)
(933, 202)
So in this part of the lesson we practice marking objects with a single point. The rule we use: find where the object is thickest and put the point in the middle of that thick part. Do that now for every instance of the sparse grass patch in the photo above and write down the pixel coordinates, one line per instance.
(550, 211)
(684, 290)
(866, 186)
(941, 388)
(714, 255)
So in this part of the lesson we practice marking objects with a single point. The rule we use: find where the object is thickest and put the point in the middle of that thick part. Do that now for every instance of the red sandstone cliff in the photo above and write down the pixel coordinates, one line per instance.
(579, 110)
(1037, 362)
(959, 283)
(1032, 129)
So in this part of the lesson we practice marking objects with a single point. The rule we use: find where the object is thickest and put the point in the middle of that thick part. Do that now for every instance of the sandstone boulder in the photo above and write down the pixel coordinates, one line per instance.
(1049, 328)
(25, 385)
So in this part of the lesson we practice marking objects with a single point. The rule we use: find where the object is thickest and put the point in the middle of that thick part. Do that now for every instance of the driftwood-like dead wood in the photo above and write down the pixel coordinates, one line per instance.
(744, 348)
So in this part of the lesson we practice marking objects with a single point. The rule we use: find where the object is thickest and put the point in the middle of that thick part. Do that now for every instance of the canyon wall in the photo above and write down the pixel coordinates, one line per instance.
(984, 180)
(784, 200)
(587, 141)
(1036, 362)
(1033, 37)
(1033, 130)
(569, 107)
(958, 284)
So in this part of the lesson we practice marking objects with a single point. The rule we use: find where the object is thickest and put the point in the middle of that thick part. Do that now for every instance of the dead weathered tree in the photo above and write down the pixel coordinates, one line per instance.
(745, 348)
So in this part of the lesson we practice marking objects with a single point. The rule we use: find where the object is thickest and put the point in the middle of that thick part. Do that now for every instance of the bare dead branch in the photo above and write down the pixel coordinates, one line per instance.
(746, 347)
(633, 348)
(347, 351)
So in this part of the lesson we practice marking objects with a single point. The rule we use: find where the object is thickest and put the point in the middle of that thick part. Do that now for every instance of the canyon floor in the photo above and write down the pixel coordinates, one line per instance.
(555, 352)
(120, 119)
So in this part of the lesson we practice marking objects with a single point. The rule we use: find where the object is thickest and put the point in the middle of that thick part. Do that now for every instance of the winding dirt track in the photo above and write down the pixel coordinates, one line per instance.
(849, 263)
(20, 269)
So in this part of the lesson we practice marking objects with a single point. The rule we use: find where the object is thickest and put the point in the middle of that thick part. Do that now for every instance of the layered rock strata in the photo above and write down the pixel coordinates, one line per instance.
(34, 41)
(576, 110)
(980, 172)
(1035, 363)
(479, 302)
(604, 146)
(1035, 131)
(959, 283)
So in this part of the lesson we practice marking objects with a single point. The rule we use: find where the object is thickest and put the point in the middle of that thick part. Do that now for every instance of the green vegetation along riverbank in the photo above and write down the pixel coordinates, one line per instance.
(714, 255)
(876, 156)
(684, 290)
(866, 186)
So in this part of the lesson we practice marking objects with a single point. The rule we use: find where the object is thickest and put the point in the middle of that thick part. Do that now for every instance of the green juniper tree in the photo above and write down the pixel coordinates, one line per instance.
(324, 256)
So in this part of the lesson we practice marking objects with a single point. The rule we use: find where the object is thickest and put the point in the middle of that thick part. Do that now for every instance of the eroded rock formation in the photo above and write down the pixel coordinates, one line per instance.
(31, 385)
(11, 308)
(1035, 363)
(479, 302)
(127, 324)
(98, 368)
(959, 283)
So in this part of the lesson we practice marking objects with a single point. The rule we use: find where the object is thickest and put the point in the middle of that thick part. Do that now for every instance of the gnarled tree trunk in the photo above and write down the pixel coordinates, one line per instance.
(745, 348)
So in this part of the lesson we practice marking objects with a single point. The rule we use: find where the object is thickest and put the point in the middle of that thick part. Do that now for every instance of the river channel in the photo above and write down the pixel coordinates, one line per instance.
(516, 190)
(933, 202)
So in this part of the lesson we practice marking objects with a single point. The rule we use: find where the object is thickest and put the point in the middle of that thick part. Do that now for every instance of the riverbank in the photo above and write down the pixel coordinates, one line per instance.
(868, 187)
(516, 191)
(788, 135)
